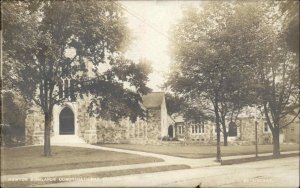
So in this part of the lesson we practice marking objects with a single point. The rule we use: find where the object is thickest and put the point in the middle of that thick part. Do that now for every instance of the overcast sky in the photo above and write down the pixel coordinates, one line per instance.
(150, 22)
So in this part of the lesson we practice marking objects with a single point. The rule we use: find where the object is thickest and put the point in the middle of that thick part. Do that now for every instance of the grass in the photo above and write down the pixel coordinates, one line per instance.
(95, 176)
(252, 159)
(196, 151)
(30, 159)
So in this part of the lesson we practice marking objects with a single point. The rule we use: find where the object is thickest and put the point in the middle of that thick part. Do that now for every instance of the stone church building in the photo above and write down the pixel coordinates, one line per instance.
(71, 123)
(242, 132)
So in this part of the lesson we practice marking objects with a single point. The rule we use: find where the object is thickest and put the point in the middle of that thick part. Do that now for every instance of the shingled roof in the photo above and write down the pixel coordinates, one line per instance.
(153, 100)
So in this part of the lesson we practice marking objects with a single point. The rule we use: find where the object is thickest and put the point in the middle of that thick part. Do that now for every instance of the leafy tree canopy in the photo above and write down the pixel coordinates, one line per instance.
(57, 50)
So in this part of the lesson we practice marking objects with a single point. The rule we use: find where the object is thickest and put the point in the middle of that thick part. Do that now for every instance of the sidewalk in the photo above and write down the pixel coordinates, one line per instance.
(168, 160)
(270, 173)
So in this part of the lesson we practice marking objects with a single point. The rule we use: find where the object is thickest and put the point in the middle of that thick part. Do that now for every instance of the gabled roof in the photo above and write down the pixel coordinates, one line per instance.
(170, 120)
(178, 117)
(153, 100)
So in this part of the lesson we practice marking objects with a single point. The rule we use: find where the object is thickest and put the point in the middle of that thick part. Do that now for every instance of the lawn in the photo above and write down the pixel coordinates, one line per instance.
(196, 151)
(94, 176)
(30, 159)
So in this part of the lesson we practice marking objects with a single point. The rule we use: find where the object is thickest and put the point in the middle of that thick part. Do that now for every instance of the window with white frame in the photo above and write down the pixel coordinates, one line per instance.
(201, 128)
(180, 129)
(197, 129)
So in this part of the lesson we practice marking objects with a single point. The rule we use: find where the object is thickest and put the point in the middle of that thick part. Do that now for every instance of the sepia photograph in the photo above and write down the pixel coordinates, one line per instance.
(150, 93)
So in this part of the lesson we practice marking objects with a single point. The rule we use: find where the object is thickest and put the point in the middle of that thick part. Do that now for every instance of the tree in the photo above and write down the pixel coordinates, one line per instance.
(175, 104)
(277, 76)
(278, 92)
(278, 80)
(47, 41)
(290, 12)
(215, 52)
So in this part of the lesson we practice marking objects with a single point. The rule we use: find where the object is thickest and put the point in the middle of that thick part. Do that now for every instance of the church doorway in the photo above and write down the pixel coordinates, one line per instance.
(170, 131)
(66, 121)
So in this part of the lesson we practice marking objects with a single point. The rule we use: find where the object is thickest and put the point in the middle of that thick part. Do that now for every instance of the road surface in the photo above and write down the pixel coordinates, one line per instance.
(270, 173)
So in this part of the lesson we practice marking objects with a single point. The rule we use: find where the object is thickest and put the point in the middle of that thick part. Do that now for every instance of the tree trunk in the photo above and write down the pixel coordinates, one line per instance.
(47, 148)
(218, 140)
(276, 144)
(218, 129)
(225, 135)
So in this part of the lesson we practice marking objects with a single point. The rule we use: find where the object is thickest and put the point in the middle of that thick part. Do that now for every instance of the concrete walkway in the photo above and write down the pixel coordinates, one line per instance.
(168, 160)
(193, 163)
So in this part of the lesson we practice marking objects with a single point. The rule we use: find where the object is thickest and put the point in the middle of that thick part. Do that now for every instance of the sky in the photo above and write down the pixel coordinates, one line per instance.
(149, 22)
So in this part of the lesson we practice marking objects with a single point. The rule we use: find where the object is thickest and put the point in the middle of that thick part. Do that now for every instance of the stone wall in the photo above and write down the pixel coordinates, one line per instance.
(139, 132)
(164, 124)
(83, 118)
(291, 133)
(111, 132)
(154, 124)
(34, 127)
(247, 126)
(245, 133)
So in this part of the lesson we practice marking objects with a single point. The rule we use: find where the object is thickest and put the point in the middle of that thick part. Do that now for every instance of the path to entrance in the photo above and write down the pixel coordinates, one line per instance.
(193, 163)
(168, 160)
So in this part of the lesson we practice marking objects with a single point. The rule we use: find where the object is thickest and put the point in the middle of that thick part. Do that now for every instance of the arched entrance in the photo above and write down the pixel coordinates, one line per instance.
(66, 121)
(170, 131)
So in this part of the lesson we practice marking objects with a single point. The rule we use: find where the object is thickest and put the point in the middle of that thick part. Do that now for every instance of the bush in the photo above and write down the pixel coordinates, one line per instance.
(10, 136)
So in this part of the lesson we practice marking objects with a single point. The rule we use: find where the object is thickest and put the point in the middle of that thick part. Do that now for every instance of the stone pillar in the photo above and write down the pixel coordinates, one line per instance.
(174, 131)
(128, 128)
(134, 128)
(138, 129)
(143, 128)
(146, 130)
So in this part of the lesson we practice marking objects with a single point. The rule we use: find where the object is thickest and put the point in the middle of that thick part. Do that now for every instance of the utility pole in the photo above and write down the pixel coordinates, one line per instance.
(256, 139)
(256, 148)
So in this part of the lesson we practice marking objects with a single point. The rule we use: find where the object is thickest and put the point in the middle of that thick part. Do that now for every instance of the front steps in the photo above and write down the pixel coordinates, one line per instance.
(66, 139)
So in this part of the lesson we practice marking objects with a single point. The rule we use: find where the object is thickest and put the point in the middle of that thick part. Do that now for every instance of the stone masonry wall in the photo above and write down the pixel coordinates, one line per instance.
(34, 127)
(154, 124)
(247, 126)
(111, 132)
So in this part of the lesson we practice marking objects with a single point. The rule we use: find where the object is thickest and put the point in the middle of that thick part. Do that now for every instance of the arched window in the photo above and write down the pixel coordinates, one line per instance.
(66, 121)
(170, 131)
(232, 129)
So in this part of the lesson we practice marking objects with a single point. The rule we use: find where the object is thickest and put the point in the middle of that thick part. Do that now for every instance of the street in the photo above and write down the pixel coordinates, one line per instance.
(271, 173)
